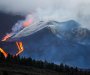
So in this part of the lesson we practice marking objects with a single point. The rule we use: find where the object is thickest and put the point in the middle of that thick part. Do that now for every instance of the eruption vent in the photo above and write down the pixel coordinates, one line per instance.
(6, 37)
(17, 28)
(27, 23)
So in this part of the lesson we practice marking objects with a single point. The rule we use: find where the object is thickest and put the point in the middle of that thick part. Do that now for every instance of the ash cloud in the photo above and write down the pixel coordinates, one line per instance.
(60, 10)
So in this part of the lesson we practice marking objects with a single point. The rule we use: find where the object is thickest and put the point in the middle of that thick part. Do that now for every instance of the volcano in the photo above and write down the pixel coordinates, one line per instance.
(60, 42)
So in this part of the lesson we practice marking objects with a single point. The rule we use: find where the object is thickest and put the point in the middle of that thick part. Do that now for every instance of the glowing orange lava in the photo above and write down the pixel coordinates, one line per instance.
(6, 37)
(20, 47)
(27, 23)
(4, 53)
(19, 44)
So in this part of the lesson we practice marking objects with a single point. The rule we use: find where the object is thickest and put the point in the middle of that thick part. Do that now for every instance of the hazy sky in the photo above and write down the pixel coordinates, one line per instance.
(61, 10)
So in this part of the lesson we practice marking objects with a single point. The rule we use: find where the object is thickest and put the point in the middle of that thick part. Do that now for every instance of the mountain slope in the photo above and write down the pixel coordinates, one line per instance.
(59, 43)
(64, 42)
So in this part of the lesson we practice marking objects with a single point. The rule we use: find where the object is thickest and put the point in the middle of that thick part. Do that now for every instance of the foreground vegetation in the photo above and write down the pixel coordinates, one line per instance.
(29, 62)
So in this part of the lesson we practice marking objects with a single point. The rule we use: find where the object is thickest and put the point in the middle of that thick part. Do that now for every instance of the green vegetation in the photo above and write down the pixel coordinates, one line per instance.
(61, 69)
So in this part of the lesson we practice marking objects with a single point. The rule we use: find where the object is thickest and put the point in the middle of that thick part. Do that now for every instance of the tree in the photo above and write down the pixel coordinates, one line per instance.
(61, 67)
(67, 68)
(2, 58)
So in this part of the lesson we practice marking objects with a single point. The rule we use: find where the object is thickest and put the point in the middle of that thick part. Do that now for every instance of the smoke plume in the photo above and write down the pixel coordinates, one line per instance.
(60, 10)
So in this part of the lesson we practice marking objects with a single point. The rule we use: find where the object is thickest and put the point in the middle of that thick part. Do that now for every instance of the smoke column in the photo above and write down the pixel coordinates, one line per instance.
(15, 29)
(61, 10)
(19, 26)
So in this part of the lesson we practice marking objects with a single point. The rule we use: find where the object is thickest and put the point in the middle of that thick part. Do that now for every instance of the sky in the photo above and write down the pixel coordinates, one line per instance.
(6, 23)
(60, 10)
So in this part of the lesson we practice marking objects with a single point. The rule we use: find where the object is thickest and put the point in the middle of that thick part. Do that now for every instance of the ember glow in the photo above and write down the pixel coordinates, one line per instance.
(20, 47)
(27, 23)
(6, 37)
(17, 28)
(4, 53)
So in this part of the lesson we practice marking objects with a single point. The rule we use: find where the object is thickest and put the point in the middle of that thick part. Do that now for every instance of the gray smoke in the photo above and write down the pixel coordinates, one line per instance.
(60, 10)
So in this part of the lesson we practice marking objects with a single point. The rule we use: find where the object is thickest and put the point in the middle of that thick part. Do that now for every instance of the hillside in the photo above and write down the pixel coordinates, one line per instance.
(24, 70)
(14, 65)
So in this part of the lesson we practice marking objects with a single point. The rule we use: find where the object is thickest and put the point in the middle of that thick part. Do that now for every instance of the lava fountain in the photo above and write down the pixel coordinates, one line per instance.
(22, 28)
(19, 45)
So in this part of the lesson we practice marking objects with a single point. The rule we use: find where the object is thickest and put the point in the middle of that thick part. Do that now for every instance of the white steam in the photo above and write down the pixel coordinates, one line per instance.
(60, 10)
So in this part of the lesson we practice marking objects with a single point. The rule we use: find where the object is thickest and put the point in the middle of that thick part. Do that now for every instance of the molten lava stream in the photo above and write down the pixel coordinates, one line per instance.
(4, 53)
(20, 47)
(6, 37)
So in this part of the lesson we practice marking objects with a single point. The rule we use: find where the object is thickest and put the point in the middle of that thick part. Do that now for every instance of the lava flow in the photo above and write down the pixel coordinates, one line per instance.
(25, 23)
(6, 37)
(20, 47)
(4, 53)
